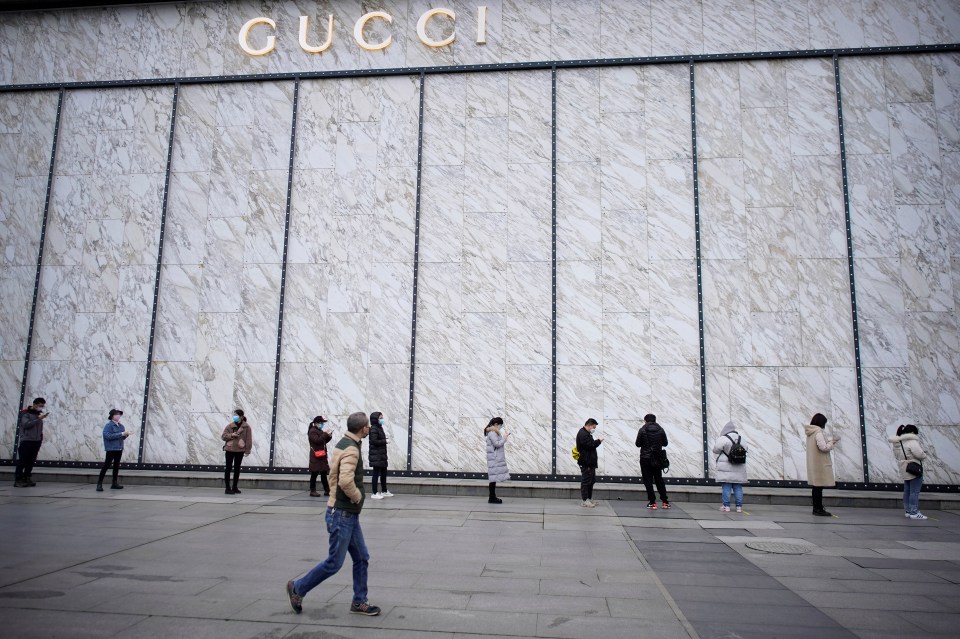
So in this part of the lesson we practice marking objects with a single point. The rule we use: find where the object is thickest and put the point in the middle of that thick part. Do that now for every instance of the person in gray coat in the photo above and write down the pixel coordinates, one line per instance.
(731, 476)
(496, 456)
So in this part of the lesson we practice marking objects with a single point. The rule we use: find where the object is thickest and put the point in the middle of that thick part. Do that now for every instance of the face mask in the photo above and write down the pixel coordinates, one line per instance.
(236, 419)
(381, 421)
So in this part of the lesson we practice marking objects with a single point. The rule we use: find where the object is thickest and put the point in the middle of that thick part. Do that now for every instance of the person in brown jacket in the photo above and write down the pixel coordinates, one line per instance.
(819, 462)
(238, 440)
(319, 436)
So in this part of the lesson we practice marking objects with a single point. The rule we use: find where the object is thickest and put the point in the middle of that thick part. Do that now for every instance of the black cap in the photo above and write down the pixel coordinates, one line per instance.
(115, 411)
(319, 419)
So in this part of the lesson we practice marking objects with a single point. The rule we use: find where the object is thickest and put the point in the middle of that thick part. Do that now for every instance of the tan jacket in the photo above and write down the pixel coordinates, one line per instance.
(911, 444)
(819, 463)
(343, 468)
(233, 438)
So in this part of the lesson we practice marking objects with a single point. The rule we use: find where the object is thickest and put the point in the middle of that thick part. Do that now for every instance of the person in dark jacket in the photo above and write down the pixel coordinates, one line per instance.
(30, 425)
(587, 447)
(319, 436)
(651, 440)
(114, 433)
(378, 455)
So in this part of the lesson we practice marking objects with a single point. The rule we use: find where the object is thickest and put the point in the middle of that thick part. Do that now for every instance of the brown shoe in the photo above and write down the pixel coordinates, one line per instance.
(315, 494)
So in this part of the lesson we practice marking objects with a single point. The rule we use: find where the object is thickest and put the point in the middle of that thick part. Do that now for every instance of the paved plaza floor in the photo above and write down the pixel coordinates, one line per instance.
(193, 562)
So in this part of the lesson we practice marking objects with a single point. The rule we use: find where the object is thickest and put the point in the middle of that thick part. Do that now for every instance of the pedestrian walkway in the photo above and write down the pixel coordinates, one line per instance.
(151, 561)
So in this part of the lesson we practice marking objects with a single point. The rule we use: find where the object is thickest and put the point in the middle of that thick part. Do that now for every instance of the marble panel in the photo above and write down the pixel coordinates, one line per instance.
(529, 217)
(845, 409)
(52, 380)
(890, 23)
(216, 362)
(186, 213)
(57, 304)
(63, 245)
(946, 98)
(773, 285)
(934, 343)
(579, 320)
(873, 218)
(228, 189)
(195, 135)
(317, 110)
(9, 36)
(253, 392)
(781, 26)
(11, 378)
(349, 290)
(623, 183)
(304, 313)
(529, 316)
(677, 27)
(674, 322)
(394, 214)
(139, 201)
(486, 180)
(667, 112)
(762, 84)
(16, 287)
(887, 403)
(753, 406)
(625, 284)
(312, 222)
(472, 447)
(436, 410)
(20, 230)
(439, 313)
(444, 120)
(99, 270)
(670, 213)
(160, 40)
(526, 30)
(388, 390)
(266, 218)
(819, 210)
(925, 261)
(441, 214)
(866, 126)
(134, 311)
(915, 151)
(300, 397)
(676, 403)
(776, 338)
(91, 363)
(272, 120)
(726, 312)
(826, 324)
(483, 366)
(260, 308)
(942, 444)
(484, 264)
(626, 364)
(528, 410)
(771, 232)
(168, 418)
(578, 115)
(718, 111)
(399, 121)
(767, 168)
(619, 455)
(939, 21)
(723, 214)
(74, 436)
(356, 168)
(729, 26)
(530, 116)
(880, 312)
(803, 391)
(625, 237)
(177, 306)
(203, 442)
(908, 78)
(578, 211)
(35, 115)
(35, 59)
(204, 36)
(626, 29)
(579, 396)
(575, 29)
(391, 289)
(812, 107)
(835, 24)
(221, 284)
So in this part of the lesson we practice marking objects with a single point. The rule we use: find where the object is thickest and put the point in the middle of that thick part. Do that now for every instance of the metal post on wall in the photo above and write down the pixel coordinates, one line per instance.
(416, 272)
(553, 270)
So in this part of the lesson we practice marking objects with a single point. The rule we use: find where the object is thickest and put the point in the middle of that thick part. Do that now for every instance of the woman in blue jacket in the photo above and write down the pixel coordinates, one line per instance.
(113, 435)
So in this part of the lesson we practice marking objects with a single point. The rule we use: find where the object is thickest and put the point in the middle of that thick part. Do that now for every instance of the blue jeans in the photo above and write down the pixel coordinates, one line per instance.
(737, 493)
(911, 495)
(345, 536)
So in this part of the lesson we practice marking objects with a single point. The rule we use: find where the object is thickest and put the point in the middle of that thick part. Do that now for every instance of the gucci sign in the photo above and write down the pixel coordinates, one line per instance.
(358, 34)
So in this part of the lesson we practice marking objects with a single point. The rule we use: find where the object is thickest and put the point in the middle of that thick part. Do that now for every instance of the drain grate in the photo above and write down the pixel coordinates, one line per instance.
(779, 547)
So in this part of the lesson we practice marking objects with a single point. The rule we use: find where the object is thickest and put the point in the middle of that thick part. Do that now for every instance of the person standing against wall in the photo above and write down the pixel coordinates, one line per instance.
(114, 434)
(30, 425)
(319, 436)
(587, 447)
(906, 449)
(496, 457)
(819, 462)
(239, 443)
(731, 475)
(378, 455)
(651, 440)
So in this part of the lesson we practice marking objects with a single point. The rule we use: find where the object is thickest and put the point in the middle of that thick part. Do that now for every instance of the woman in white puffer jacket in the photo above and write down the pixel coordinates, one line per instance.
(906, 448)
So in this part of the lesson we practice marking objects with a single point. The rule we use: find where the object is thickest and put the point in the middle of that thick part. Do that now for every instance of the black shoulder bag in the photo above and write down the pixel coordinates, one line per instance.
(913, 467)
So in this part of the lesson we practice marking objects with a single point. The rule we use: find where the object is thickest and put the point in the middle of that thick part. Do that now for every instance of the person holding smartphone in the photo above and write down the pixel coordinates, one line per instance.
(319, 435)
(30, 425)
(239, 443)
(114, 433)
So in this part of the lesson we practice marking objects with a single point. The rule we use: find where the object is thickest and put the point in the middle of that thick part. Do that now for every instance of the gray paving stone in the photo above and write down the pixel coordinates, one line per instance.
(874, 601)
(577, 605)
(471, 621)
(724, 595)
(43, 624)
(578, 627)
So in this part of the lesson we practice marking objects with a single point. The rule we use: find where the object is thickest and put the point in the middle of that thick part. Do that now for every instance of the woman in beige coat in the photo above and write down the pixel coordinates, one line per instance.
(819, 463)
(906, 448)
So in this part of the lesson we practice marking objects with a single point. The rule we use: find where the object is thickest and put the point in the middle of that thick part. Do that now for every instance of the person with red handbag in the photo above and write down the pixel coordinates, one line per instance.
(319, 436)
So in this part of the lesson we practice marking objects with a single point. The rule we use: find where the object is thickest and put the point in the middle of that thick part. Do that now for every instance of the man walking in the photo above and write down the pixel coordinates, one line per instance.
(30, 424)
(343, 522)
(587, 447)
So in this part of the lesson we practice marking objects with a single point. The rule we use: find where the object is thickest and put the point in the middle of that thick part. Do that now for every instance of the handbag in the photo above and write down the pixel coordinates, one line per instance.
(319, 454)
(664, 461)
(913, 467)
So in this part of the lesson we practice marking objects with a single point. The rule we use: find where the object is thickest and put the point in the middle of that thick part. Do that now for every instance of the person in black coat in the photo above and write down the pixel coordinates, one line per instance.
(587, 447)
(651, 440)
(378, 455)
(319, 435)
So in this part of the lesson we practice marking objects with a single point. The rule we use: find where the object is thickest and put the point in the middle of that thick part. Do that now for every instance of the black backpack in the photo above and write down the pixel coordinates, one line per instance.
(737, 454)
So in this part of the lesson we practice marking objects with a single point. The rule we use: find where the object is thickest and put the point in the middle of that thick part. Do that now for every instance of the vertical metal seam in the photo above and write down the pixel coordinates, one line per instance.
(853, 287)
(416, 269)
(283, 271)
(36, 280)
(553, 269)
(696, 230)
(156, 280)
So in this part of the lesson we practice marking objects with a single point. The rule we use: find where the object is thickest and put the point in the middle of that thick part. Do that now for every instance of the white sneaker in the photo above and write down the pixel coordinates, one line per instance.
(387, 494)
(586, 503)
(739, 509)
(592, 503)
(376, 496)
(724, 509)
(907, 515)
(917, 516)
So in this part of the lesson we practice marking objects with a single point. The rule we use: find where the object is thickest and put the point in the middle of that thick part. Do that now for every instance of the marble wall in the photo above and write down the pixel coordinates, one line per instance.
(778, 339)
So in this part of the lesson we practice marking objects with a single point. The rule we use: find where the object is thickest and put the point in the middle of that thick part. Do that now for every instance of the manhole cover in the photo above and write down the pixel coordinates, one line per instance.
(780, 548)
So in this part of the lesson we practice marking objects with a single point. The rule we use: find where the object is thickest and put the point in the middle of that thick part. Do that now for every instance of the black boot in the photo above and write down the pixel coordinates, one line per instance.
(116, 485)
(226, 484)
(820, 512)
(236, 491)
(493, 494)
(99, 485)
